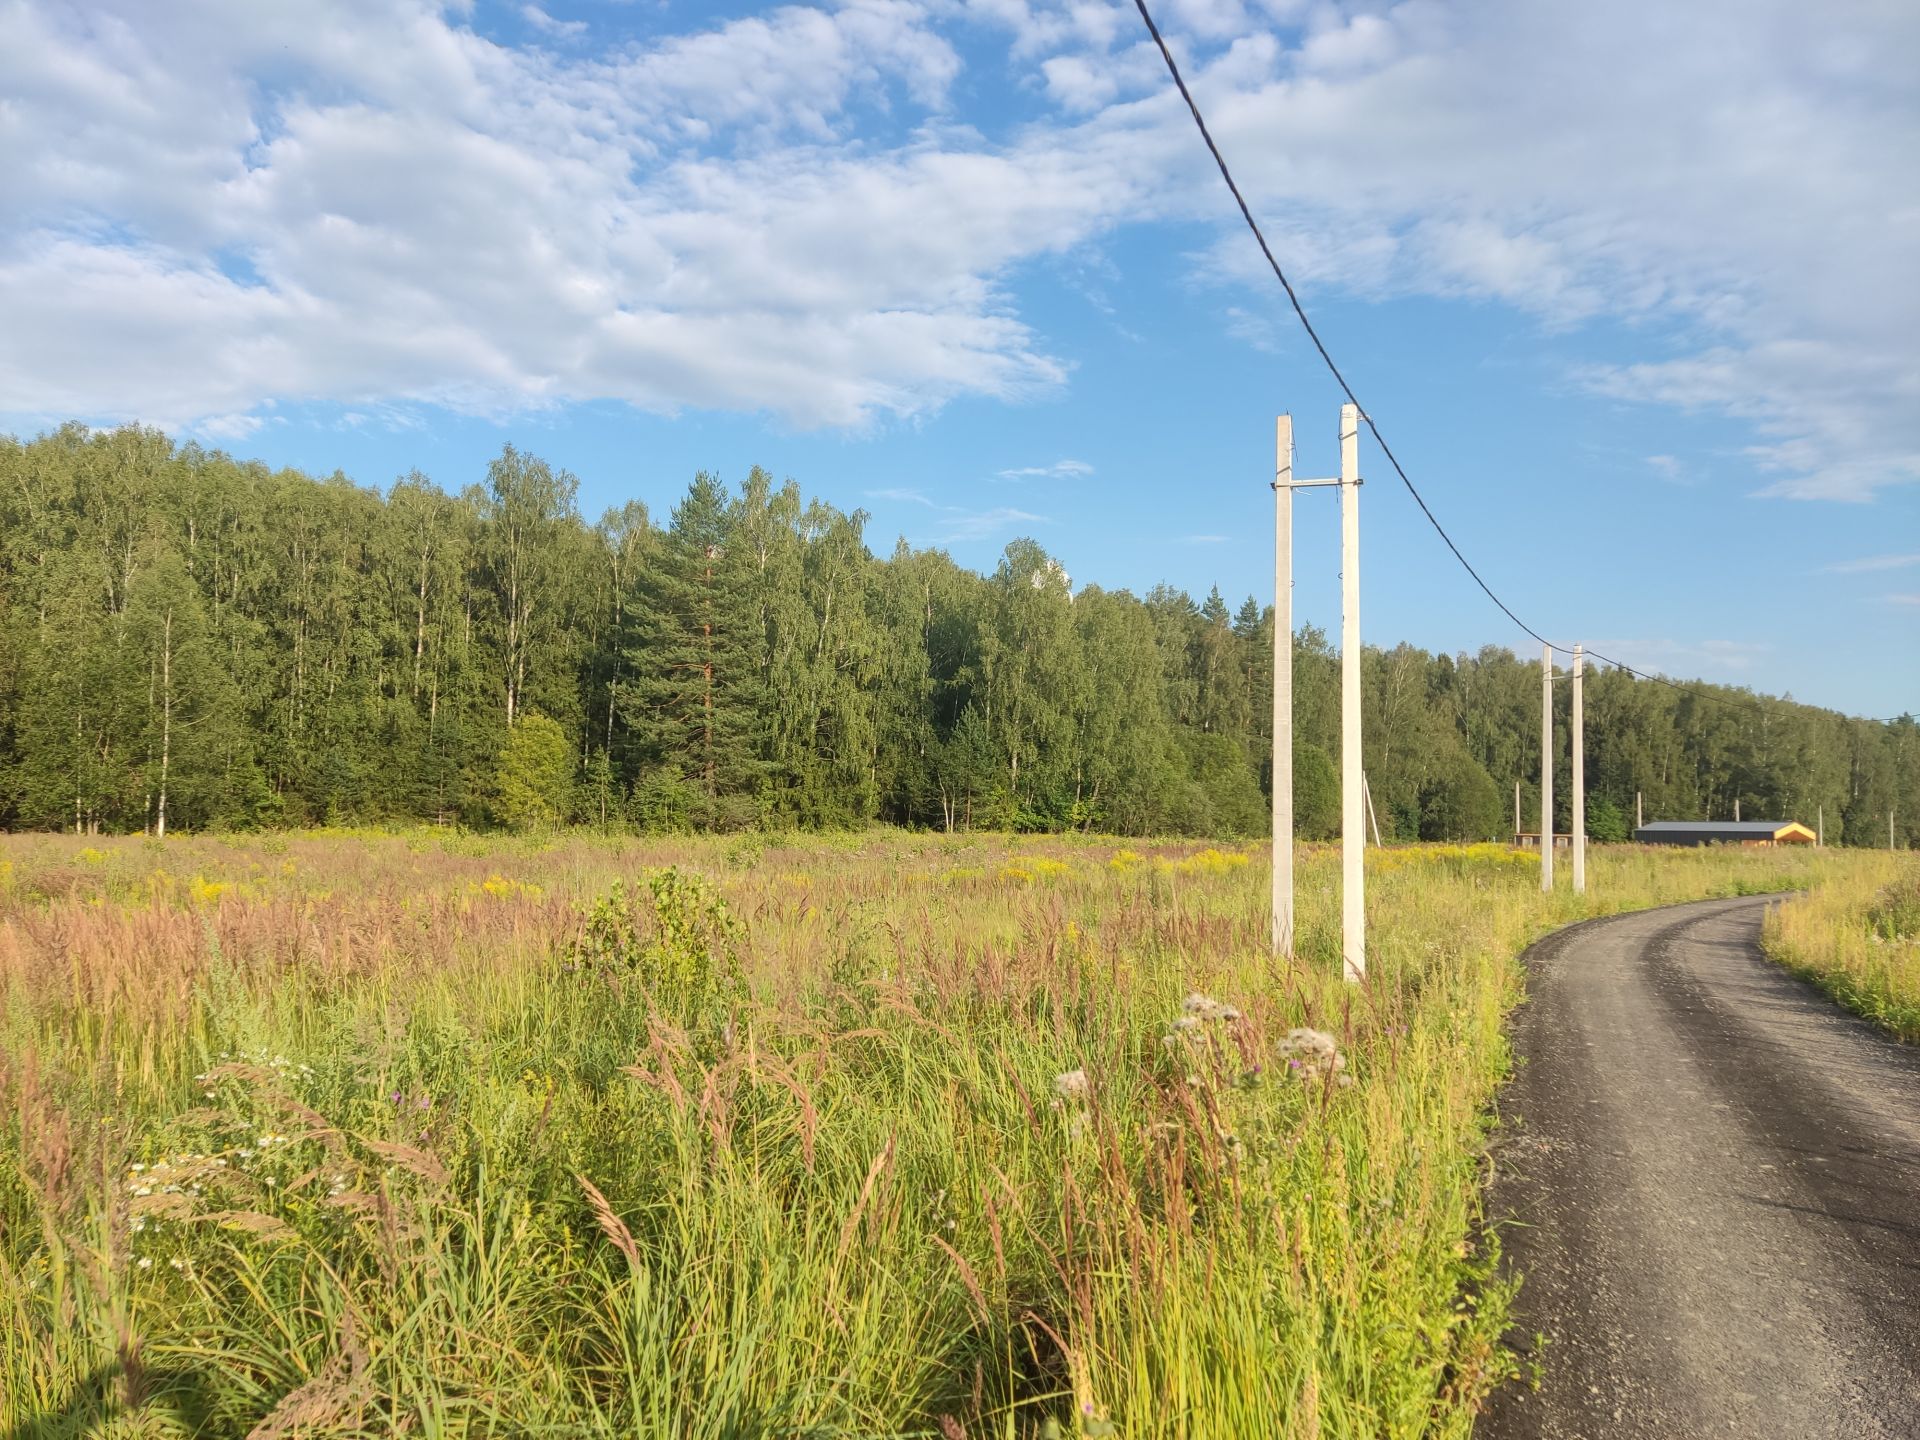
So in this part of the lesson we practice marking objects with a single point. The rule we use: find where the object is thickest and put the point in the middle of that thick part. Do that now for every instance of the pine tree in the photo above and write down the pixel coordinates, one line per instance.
(697, 711)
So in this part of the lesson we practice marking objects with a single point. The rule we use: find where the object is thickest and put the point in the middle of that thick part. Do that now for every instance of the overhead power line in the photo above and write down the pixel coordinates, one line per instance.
(1333, 369)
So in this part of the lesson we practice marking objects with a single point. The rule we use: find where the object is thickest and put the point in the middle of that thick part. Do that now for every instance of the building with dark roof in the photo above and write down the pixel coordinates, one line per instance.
(1724, 832)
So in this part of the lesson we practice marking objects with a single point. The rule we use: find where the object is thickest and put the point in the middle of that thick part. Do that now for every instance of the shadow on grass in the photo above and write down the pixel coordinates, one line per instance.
(179, 1394)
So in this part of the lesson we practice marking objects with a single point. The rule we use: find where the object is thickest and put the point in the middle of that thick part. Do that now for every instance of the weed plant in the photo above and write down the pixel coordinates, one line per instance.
(875, 1135)
(1856, 934)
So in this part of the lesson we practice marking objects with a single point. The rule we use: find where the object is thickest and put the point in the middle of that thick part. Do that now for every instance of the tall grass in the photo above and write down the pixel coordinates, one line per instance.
(879, 1135)
(1856, 934)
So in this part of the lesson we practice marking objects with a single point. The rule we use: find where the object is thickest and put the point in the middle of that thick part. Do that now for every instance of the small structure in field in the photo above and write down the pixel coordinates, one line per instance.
(1530, 840)
(1724, 832)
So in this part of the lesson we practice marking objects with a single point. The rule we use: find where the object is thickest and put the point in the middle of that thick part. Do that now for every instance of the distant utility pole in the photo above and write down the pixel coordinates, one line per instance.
(1546, 767)
(1736, 810)
(1579, 781)
(1820, 829)
(1516, 807)
(1353, 876)
(1637, 821)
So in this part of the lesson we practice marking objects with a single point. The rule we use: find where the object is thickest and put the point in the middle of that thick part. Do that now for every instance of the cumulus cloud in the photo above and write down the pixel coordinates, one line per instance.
(378, 203)
(542, 21)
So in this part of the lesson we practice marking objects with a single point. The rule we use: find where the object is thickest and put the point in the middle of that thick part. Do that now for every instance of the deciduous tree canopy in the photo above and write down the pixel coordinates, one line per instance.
(188, 640)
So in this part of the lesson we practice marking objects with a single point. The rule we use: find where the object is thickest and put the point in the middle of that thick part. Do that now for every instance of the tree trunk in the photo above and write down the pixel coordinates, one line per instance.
(166, 719)
(420, 621)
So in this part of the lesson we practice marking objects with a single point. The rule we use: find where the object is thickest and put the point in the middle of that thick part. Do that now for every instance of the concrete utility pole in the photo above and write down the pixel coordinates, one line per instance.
(1352, 777)
(1372, 818)
(1820, 829)
(1579, 781)
(1353, 878)
(1516, 807)
(1637, 821)
(1284, 485)
(1283, 687)
(1546, 767)
(1736, 811)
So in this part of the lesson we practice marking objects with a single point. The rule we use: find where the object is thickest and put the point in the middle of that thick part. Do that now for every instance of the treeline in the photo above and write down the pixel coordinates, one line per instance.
(187, 640)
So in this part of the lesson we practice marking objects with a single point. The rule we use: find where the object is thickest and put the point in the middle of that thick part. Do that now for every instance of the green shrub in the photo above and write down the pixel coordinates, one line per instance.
(684, 947)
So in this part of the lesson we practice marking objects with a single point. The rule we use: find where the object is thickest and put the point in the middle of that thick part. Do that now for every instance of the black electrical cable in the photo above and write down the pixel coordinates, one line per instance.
(1300, 311)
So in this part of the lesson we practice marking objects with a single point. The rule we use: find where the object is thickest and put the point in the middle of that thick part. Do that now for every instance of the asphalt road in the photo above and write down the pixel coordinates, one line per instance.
(1712, 1183)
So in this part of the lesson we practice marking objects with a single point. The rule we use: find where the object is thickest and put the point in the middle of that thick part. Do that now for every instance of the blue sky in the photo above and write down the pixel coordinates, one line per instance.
(1629, 288)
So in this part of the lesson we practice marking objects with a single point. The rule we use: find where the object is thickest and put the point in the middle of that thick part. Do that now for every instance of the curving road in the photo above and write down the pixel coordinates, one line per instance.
(1712, 1189)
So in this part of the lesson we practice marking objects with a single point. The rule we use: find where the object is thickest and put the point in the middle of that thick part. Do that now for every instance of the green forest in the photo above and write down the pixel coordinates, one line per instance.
(190, 641)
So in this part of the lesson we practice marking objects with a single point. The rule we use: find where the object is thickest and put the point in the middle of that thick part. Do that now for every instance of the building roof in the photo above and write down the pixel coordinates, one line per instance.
(1738, 829)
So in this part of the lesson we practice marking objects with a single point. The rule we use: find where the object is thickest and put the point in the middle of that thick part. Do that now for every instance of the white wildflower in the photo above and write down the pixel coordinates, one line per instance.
(146, 1262)
(1312, 1052)
(1072, 1085)
(1200, 1008)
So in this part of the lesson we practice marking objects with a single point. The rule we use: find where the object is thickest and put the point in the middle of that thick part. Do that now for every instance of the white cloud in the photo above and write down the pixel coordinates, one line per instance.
(411, 213)
(371, 203)
(1706, 658)
(542, 21)
(229, 427)
(1751, 215)
(960, 524)
(1906, 599)
(1203, 539)
(1873, 562)
(1059, 470)
(1257, 331)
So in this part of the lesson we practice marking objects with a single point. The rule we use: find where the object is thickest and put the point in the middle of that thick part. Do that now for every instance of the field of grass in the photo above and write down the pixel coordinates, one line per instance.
(1856, 934)
(883, 1135)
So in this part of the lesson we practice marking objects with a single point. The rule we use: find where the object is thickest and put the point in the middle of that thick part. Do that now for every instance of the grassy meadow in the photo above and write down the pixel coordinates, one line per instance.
(1856, 934)
(878, 1135)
